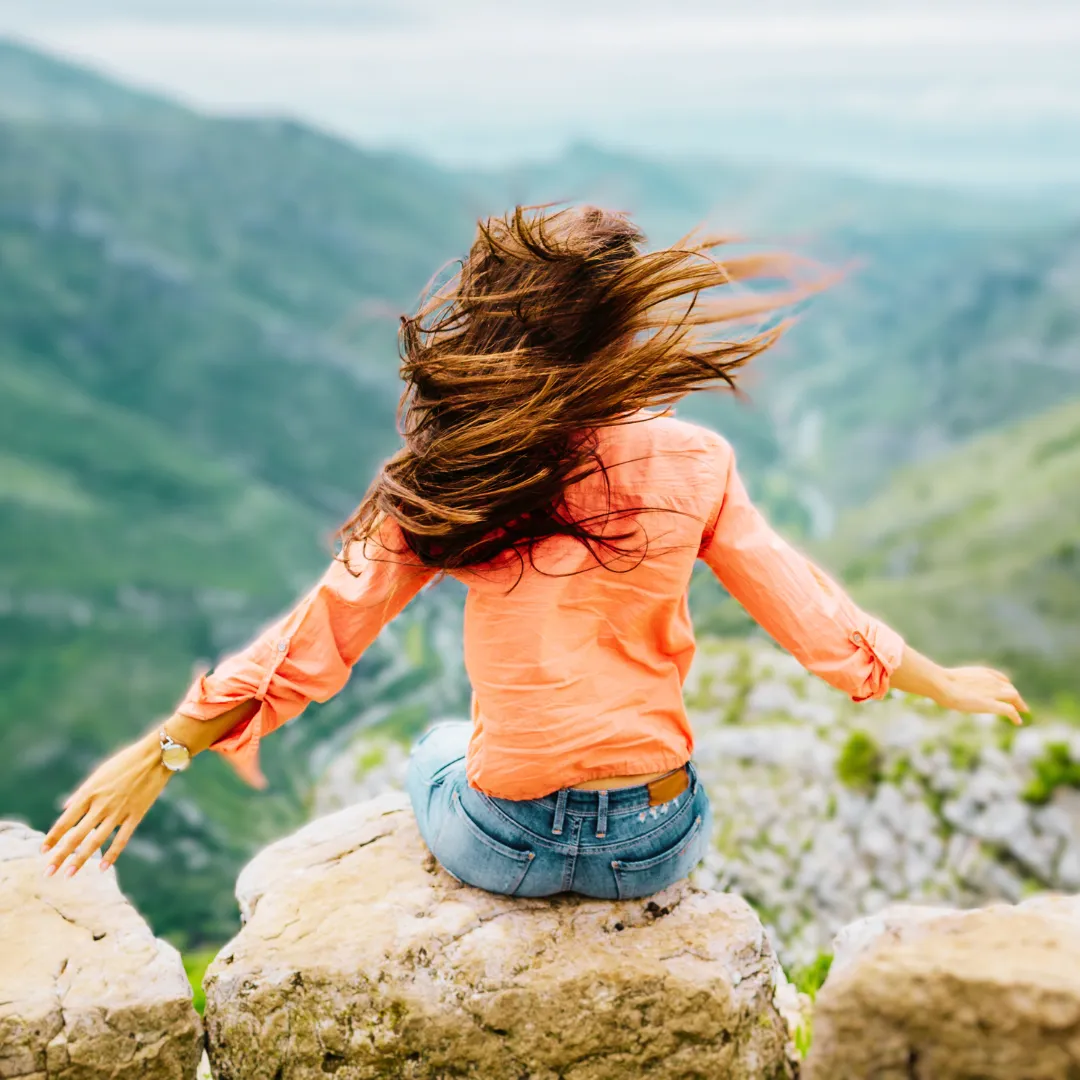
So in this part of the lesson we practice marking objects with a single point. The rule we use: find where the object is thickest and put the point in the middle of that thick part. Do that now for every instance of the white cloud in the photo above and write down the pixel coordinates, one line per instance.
(488, 78)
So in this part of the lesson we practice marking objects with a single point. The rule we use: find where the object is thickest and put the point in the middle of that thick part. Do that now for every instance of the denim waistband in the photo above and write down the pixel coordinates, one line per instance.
(619, 800)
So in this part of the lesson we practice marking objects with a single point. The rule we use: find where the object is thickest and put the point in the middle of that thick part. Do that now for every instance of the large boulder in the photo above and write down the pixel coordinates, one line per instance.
(360, 955)
(992, 994)
(86, 990)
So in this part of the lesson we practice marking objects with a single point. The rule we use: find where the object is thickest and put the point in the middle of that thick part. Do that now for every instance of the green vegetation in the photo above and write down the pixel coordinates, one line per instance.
(899, 769)
(965, 748)
(810, 978)
(195, 965)
(1056, 768)
(859, 765)
(804, 1037)
(970, 555)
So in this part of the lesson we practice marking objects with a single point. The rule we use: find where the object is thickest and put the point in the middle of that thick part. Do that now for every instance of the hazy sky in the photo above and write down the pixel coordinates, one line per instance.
(923, 87)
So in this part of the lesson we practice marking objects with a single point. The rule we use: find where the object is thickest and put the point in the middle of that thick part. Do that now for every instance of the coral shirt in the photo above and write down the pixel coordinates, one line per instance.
(577, 671)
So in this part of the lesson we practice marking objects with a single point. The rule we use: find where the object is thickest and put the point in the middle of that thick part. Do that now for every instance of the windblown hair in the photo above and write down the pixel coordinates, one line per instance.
(555, 324)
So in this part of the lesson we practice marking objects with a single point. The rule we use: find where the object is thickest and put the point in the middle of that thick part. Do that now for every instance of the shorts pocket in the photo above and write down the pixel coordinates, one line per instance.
(470, 853)
(643, 877)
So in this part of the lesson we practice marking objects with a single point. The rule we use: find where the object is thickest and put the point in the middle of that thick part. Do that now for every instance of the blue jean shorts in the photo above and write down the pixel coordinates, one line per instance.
(612, 845)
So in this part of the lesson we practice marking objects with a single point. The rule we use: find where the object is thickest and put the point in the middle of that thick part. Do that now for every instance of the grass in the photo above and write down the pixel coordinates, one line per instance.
(810, 978)
(195, 965)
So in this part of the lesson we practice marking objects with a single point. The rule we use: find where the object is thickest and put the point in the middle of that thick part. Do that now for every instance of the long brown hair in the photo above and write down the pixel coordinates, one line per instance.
(556, 323)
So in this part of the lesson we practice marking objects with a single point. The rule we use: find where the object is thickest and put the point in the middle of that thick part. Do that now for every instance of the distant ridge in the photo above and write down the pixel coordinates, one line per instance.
(39, 87)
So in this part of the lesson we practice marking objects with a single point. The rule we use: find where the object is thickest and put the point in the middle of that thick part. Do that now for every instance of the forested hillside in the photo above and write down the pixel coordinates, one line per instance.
(978, 553)
(198, 375)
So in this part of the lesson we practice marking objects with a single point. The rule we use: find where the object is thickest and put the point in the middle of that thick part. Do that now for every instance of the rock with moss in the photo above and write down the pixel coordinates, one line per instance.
(360, 956)
(86, 990)
(992, 993)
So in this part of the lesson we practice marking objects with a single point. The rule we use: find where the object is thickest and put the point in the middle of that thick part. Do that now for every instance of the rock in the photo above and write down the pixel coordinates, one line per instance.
(992, 993)
(359, 954)
(86, 990)
(892, 924)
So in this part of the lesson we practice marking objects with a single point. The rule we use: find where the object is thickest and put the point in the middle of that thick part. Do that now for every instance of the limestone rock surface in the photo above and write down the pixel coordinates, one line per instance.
(360, 957)
(992, 993)
(86, 990)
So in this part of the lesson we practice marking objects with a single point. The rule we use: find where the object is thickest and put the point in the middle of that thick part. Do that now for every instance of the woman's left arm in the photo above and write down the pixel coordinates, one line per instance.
(306, 656)
(119, 792)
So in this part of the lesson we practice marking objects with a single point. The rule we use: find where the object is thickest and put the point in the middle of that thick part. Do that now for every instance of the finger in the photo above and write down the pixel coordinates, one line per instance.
(1009, 711)
(1013, 697)
(73, 839)
(76, 809)
(127, 827)
(91, 844)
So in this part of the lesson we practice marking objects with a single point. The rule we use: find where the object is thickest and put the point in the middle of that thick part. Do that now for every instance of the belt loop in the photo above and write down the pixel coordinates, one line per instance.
(560, 813)
(601, 816)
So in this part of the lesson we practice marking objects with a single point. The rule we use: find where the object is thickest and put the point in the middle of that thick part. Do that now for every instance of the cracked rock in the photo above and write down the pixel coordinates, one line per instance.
(86, 990)
(359, 954)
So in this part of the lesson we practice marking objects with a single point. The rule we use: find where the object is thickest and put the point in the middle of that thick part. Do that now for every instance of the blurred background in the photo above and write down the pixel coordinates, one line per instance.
(211, 215)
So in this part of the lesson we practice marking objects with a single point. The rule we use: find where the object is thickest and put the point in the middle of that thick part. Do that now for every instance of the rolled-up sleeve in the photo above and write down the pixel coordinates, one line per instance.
(794, 601)
(309, 653)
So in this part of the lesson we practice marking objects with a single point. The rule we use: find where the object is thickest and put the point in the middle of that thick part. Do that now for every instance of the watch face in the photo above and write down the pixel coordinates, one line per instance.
(175, 758)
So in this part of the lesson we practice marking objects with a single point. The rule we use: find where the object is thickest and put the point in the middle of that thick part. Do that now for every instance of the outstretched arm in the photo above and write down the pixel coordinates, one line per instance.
(812, 617)
(968, 689)
(305, 656)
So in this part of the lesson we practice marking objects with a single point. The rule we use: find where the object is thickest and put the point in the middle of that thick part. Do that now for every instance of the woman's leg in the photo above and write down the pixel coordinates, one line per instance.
(436, 755)
(469, 841)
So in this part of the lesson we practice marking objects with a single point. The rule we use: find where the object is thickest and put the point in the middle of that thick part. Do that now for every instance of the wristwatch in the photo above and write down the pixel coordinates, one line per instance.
(176, 757)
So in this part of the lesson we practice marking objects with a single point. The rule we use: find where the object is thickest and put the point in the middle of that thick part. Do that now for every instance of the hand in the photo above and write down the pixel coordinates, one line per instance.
(980, 690)
(116, 795)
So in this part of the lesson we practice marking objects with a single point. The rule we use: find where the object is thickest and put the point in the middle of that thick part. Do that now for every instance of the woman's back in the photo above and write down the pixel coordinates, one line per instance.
(577, 670)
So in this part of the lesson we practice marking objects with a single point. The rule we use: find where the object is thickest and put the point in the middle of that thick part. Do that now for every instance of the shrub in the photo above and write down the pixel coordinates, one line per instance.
(859, 765)
(1054, 769)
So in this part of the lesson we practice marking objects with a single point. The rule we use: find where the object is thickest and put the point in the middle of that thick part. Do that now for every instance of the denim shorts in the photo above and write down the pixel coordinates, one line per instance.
(612, 845)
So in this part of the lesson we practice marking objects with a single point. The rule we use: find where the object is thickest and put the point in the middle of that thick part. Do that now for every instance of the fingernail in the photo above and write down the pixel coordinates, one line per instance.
(50, 870)
(71, 871)
(103, 865)
(44, 847)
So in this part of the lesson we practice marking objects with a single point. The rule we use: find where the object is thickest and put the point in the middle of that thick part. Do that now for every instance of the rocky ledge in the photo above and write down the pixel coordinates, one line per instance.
(86, 990)
(359, 954)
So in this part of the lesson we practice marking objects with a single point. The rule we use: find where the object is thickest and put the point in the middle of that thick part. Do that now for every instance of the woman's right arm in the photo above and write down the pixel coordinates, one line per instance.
(807, 613)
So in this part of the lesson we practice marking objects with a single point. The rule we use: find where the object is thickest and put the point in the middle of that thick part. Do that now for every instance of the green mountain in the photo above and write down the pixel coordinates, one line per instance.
(197, 380)
(34, 86)
(977, 554)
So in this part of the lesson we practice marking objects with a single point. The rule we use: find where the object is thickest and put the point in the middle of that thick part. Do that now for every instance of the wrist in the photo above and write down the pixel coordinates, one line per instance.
(940, 688)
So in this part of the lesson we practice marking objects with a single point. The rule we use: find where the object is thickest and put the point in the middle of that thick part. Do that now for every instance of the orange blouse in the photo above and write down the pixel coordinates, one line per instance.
(577, 670)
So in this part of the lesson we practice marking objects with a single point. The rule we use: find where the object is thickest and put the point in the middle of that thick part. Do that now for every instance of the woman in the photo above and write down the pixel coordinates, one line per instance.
(533, 472)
